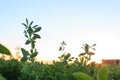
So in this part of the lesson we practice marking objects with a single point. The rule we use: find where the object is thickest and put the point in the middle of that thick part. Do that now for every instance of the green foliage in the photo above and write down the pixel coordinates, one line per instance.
(32, 71)
(92, 67)
(61, 71)
(10, 69)
(87, 52)
(4, 50)
(25, 54)
(39, 71)
(78, 67)
(114, 72)
(14, 70)
(66, 58)
(86, 55)
(31, 35)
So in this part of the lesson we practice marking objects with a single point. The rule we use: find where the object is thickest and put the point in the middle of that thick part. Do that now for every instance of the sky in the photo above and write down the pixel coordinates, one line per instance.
(75, 21)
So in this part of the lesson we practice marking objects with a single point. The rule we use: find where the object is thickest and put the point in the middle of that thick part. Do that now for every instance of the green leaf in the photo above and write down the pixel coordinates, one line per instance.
(31, 23)
(33, 54)
(81, 76)
(31, 50)
(91, 53)
(24, 52)
(35, 26)
(25, 25)
(82, 54)
(102, 73)
(94, 45)
(4, 50)
(24, 59)
(67, 56)
(37, 29)
(60, 48)
(36, 36)
(27, 42)
(26, 36)
(27, 21)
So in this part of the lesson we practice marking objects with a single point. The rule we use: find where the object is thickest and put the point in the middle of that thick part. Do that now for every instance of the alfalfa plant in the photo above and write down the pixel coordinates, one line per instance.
(86, 55)
(31, 35)
(65, 57)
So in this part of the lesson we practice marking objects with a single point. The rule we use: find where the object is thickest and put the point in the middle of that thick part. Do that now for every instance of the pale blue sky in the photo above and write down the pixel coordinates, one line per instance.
(75, 21)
